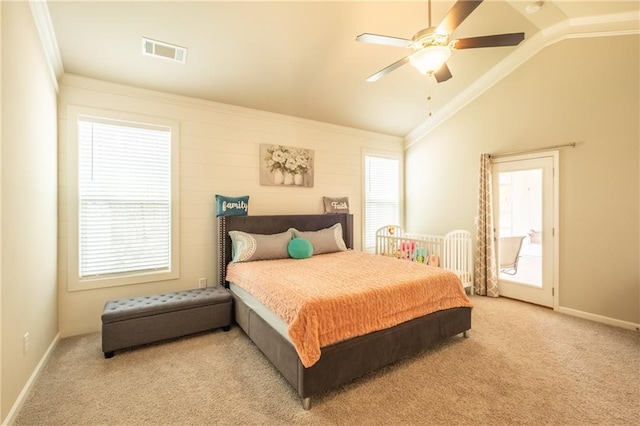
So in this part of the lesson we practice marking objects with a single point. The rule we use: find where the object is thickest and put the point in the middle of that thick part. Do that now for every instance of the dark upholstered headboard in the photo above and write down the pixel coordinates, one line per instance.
(274, 225)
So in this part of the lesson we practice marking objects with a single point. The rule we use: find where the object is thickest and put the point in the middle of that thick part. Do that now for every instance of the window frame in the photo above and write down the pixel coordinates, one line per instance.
(74, 281)
(386, 155)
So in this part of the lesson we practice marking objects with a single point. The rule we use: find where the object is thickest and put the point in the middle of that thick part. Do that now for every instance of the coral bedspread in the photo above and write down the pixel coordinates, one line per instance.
(333, 297)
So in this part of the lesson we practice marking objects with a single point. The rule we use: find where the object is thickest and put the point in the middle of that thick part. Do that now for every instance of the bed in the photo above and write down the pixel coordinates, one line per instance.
(345, 360)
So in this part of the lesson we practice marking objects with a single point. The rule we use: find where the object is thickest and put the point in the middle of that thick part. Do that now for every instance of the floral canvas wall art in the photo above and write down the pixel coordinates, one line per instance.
(286, 165)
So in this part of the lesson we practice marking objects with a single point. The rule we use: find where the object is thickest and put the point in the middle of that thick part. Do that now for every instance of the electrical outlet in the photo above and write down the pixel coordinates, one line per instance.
(25, 343)
(202, 282)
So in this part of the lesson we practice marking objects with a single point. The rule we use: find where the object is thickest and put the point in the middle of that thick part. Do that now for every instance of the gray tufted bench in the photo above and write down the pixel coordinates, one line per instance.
(147, 319)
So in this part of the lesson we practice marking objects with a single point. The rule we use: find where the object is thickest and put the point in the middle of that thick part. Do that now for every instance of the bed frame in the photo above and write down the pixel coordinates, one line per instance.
(342, 362)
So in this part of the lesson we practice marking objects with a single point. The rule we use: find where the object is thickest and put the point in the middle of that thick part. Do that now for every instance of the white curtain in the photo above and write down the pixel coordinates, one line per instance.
(486, 276)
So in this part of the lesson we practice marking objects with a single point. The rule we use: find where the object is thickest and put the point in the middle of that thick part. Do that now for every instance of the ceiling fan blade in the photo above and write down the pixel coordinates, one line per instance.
(388, 69)
(456, 15)
(386, 40)
(496, 40)
(443, 74)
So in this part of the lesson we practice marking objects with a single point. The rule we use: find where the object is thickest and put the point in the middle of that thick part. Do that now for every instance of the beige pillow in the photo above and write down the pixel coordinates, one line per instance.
(326, 240)
(248, 247)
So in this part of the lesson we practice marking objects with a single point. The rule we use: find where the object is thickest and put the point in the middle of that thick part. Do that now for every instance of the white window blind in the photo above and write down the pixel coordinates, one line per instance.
(382, 195)
(124, 197)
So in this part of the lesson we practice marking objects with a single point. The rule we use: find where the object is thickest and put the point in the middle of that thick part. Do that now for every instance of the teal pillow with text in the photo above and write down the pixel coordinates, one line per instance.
(232, 206)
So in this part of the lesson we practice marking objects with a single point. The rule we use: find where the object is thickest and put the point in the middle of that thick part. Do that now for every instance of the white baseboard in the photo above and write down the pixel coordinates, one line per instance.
(27, 387)
(599, 318)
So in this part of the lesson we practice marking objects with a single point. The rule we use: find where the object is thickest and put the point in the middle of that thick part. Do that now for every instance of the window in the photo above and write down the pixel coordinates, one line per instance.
(382, 195)
(124, 198)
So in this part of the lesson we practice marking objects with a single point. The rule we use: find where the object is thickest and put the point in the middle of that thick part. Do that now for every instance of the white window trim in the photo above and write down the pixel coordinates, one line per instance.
(74, 282)
(384, 154)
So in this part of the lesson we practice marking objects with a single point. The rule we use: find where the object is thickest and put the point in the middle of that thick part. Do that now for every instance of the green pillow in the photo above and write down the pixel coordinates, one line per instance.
(299, 248)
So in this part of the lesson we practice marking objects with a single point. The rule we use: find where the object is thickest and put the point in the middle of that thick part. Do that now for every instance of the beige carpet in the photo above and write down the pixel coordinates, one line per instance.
(521, 365)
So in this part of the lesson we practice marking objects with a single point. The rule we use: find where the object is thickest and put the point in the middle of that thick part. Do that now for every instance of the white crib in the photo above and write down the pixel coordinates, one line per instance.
(451, 251)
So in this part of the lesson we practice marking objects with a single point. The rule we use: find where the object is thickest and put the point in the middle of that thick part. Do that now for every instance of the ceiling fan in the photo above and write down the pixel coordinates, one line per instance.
(432, 47)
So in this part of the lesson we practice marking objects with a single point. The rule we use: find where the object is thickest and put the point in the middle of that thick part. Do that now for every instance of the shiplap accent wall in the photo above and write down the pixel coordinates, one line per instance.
(219, 154)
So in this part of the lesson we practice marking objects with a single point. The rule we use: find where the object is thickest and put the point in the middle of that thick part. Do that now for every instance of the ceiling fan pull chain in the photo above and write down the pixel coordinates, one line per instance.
(429, 96)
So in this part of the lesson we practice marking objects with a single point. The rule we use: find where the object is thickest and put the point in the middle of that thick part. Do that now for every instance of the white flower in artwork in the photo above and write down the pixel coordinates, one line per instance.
(291, 164)
(302, 161)
(279, 156)
(292, 160)
(276, 158)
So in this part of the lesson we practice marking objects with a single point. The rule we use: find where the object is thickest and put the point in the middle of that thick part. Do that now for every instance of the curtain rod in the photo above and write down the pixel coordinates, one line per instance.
(528, 151)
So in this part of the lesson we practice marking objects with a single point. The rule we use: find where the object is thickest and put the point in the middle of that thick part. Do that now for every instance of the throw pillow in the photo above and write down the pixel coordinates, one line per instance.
(326, 240)
(336, 205)
(299, 248)
(247, 247)
(232, 206)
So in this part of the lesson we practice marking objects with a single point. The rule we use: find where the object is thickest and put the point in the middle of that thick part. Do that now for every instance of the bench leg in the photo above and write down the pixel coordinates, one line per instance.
(108, 355)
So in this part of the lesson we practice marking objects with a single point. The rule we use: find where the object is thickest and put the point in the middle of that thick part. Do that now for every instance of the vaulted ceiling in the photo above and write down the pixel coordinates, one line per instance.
(301, 58)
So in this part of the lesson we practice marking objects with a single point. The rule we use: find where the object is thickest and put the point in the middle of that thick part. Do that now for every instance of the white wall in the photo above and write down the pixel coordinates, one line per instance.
(219, 154)
(2, 415)
(565, 93)
(28, 261)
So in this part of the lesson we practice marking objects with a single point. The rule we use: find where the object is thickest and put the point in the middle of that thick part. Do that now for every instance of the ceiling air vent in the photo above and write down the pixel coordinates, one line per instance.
(163, 50)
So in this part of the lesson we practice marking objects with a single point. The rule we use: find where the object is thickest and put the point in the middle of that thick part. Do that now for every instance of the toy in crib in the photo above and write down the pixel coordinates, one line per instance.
(401, 250)
(420, 255)
(406, 250)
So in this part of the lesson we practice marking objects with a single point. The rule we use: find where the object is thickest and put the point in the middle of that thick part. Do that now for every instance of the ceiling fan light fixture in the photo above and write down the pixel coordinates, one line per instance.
(534, 7)
(429, 59)
(431, 46)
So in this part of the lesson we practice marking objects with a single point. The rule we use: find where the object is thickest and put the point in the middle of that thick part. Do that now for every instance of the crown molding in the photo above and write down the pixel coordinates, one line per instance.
(627, 23)
(42, 19)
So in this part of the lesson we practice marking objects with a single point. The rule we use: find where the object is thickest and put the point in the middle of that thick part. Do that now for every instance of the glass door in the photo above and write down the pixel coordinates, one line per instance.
(524, 220)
